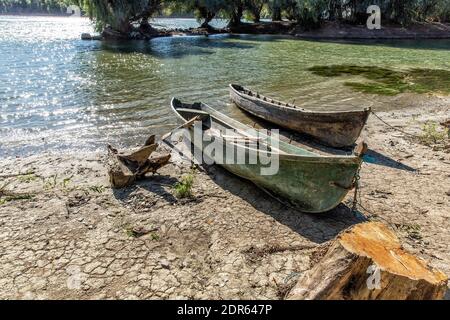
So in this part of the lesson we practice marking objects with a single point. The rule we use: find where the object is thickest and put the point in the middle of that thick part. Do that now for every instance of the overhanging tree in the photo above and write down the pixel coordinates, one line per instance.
(122, 15)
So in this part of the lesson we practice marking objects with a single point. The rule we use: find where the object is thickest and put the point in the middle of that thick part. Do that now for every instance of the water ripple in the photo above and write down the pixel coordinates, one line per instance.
(58, 92)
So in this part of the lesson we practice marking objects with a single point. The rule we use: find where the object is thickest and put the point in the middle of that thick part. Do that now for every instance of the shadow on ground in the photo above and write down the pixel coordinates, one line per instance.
(373, 157)
(154, 185)
(318, 228)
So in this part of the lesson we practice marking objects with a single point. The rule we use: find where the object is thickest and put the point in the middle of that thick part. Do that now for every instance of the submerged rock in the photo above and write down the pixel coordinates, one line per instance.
(88, 36)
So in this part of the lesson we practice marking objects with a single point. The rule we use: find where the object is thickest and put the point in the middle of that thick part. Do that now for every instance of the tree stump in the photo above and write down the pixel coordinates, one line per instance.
(367, 262)
(125, 169)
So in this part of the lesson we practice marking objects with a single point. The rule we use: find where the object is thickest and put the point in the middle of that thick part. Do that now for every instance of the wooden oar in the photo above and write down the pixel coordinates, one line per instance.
(186, 125)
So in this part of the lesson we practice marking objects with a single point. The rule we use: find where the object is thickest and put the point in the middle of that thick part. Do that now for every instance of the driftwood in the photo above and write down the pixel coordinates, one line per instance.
(367, 262)
(125, 169)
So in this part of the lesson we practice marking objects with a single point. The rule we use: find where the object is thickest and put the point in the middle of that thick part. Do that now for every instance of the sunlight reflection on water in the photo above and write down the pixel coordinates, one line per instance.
(58, 92)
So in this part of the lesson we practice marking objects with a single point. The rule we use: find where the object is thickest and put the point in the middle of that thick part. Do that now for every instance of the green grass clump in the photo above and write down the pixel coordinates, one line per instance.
(27, 178)
(431, 134)
(8, 196)
(97, 189)
(183, 189)
(15, 197)
(384, 81)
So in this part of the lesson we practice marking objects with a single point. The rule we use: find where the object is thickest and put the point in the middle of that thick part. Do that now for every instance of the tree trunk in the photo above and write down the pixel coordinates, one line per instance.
(276, 14)
(256, 12)
(236, 14)
(146, 29)
(367, 262)
(125, 27)
(208, 16)
(256, 17)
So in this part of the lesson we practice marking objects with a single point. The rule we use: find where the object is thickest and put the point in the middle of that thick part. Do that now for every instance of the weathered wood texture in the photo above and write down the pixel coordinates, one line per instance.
(336, 129)
(310, 182)
(367, 262)
(125, 169)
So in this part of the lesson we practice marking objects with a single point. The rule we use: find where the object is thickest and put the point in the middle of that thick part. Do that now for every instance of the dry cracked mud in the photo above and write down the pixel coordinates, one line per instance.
(66, 235)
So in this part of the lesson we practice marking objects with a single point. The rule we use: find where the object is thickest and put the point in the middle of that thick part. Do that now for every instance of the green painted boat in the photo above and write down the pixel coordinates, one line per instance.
(311, 182)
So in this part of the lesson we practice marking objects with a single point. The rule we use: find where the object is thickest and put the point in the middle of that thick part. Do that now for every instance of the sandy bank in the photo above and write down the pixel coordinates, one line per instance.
(74, 238)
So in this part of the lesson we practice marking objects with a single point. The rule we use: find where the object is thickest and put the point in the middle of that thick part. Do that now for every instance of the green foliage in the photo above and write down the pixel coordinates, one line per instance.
(254, 8)
(310, 13)
(16, 197)
(431, 134)
(8, 196)
(37, 6)
(123, 15)
(204, 10)
(183, 189)
(96, 189)
(385, 81)
(27, 178)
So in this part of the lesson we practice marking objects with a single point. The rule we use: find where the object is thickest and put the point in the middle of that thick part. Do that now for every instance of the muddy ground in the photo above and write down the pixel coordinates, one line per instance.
(66, 235)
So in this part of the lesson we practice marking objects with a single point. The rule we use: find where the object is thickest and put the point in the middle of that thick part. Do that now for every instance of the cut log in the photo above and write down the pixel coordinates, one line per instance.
(125, 169)
(367, 262)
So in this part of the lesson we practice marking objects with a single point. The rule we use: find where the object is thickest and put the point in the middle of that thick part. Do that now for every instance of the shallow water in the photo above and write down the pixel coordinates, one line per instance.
(58, 92)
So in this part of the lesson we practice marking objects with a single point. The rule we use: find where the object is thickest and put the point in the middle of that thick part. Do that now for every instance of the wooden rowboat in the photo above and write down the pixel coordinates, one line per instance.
(313, 183)
(333, 128)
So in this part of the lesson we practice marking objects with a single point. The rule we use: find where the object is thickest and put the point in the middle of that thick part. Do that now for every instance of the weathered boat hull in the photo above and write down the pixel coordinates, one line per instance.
(312, 183)
(336, 129)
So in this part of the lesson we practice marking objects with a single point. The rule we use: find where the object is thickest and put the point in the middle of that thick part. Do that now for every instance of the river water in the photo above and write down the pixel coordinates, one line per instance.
(58, 92)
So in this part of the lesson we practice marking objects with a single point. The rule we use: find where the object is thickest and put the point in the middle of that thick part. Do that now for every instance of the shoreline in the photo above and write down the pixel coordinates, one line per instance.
(329, 31)
(249, 247)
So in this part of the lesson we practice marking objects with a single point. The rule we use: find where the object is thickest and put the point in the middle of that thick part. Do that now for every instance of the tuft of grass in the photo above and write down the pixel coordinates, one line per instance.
(131, 233)
(66, 182)
(15, 197)
(155, 236)
(51, 182)
(97, 189)
(412, 230)
(8, 196)
(384, 81)
(183, 189)
(138, 232)
(431, 134)
(27, 178)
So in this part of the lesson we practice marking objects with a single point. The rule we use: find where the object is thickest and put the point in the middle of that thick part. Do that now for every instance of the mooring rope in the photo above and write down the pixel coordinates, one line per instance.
(392, 127)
